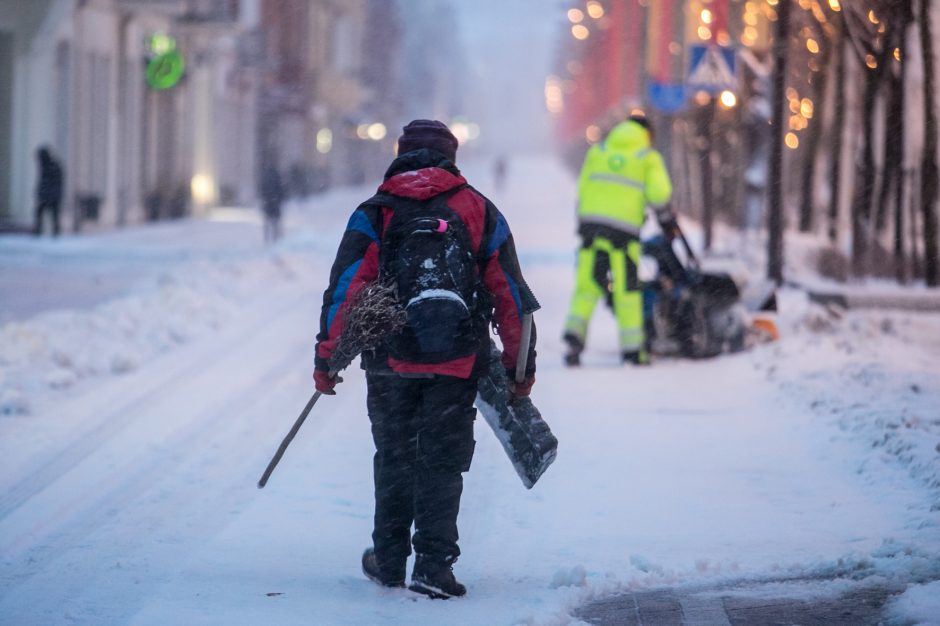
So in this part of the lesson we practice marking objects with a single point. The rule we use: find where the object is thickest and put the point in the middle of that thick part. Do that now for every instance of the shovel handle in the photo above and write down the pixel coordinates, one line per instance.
(523, 359)
(688, 249)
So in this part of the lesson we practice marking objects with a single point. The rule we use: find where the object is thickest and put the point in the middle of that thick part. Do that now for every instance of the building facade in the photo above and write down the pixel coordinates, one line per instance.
(147, 133)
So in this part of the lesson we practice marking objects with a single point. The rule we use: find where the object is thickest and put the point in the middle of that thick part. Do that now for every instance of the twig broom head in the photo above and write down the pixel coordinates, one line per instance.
(373, 315)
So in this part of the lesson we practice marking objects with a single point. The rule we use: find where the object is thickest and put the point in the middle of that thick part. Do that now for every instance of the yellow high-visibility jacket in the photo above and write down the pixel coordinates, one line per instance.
(620, 177)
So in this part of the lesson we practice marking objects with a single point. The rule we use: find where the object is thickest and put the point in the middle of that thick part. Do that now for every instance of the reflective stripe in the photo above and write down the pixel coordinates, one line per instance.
(617, 180)
(603, 220)
(576, 326)
(631, 339)
(642, 153)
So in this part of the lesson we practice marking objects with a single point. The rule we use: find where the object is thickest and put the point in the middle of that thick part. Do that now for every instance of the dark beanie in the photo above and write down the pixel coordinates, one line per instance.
(642, 120)
(428, 134)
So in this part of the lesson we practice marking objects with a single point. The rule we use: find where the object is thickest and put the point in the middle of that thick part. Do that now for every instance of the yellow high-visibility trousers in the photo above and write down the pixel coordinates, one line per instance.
(624, 286)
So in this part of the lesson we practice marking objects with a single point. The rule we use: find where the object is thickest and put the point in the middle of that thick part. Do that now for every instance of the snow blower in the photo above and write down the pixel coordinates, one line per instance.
(697, 314)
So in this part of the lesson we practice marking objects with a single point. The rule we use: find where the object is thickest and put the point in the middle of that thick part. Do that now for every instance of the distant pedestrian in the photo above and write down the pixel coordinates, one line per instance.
(48, 190)
(152, 205)
(620, 177)
(272, 196)
(450, 255)
(500, 168)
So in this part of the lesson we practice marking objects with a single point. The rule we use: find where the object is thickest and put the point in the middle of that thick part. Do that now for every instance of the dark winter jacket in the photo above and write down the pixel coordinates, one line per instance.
(421, 175)
(49, 189)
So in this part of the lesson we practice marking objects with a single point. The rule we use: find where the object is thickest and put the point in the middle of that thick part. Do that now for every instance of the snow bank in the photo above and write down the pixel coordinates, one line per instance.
(872, 375)
(60, 350)
(919, 605)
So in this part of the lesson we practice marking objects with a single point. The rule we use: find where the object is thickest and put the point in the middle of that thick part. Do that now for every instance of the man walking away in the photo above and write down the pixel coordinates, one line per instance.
(620, 177)
(450, 254)
(48, 190)
(272, 196)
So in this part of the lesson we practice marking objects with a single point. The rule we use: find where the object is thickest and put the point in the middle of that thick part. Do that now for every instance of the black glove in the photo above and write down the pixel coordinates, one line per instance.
(670, 228)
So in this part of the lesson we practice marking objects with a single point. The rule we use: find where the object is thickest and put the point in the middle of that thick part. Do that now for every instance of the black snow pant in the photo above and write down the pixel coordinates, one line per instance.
(423, 433)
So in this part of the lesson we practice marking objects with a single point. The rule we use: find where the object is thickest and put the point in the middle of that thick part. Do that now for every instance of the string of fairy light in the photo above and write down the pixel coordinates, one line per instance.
(578, 17)
(753, 32)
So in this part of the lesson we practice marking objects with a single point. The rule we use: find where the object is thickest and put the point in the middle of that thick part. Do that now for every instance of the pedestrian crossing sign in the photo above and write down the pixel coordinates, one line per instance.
(712, 68)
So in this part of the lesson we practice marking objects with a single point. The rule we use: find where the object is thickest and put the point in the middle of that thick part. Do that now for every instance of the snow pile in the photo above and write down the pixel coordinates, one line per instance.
(874, 375)
(58, 350)
(573, 577)
(918, 605)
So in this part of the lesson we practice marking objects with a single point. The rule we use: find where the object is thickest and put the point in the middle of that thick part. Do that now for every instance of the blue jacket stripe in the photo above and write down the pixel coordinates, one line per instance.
(339, 296)
(500, 235)
(514, 290)
(360, 223)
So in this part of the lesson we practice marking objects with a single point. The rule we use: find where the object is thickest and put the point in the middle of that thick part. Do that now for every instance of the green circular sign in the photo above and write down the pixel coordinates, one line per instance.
(164, 71)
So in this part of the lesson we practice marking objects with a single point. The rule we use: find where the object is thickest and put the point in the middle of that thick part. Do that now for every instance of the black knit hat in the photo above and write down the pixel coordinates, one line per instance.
(643, 121)
(428, 134)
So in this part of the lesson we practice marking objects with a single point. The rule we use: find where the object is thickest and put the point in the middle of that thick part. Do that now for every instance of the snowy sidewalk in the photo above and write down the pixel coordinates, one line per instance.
(83, 271)
(128, 496)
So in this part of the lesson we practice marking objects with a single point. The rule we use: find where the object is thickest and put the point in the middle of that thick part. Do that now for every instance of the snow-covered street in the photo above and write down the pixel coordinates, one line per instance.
(135, 420)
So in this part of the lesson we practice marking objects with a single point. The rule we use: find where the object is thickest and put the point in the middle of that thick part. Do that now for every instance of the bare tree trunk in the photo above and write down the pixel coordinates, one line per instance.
(865, 176)
(929, 170)
(892, 152)
(775, 178)
(913, 205)
(906, 11)
(862, 202)
(891, 155)
(808, 175)
(838, 130)
(707, 120)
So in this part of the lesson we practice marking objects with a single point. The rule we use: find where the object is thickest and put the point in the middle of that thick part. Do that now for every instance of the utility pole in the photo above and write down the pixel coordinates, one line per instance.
(775, 187)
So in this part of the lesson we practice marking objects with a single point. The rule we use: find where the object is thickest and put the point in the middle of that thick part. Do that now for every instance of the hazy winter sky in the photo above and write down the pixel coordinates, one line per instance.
(509, 46)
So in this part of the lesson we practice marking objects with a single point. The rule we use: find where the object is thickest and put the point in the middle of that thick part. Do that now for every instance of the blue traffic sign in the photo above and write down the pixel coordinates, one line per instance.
(666, 97)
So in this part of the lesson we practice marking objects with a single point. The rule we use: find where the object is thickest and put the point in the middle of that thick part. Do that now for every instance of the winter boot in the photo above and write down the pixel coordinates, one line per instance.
(435, 578)
(637, 357)
(575, 348)
(370, 567)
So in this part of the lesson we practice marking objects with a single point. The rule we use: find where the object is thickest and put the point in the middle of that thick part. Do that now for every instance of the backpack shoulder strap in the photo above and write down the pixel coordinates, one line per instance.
(382, 199)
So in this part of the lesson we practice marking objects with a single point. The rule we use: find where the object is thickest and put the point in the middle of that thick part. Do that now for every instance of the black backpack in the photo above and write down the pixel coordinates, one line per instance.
(427, 253)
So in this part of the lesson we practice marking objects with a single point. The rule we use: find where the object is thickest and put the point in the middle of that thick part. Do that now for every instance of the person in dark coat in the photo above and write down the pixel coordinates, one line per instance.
(422, 411)
(48, 190)
(272, 196)
(499, 172)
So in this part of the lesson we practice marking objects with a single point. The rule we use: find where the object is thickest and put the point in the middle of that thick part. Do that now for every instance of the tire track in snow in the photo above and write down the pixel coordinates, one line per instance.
(66, 523)
(48, 471)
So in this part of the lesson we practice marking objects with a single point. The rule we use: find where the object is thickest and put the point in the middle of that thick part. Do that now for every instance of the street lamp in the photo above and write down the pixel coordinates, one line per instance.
(727, 99)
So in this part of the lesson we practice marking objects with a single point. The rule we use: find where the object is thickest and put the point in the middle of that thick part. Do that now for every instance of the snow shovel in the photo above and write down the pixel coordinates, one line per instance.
(517, 423)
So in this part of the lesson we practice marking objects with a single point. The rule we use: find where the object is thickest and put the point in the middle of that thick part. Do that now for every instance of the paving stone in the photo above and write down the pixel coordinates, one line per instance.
(728, 607)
